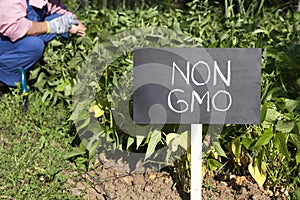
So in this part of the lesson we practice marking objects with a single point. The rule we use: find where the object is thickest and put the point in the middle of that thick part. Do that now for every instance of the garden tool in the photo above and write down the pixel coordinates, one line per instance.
(24, 89)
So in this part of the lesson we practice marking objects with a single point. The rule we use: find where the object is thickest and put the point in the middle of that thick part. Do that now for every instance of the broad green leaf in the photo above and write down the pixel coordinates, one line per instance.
(41, 81)
(264, 139)
(78, 108)
(263, 112)
(63, 84)
(85, 40)
(154, 140)
(95, 128)
(60, 87)
(259, 176)
(93, 148)
(295, 139)
(272, 115)
(74, 153)
(280, 104)
(291, 105)
(280, 142)
(139, 140)
(55, 43)
(275, 93)
(285, 126)
(34, 73)
(220, 150)
(84, 122)
(76, 61)
(130, 141)
(214, 44)
(213, 164)
(224, 37)
(176, 27)
(246, 141)
(83, 144)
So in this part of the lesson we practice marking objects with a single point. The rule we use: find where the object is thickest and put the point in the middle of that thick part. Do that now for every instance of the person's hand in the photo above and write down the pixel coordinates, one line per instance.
(78, 30)
(62, 24)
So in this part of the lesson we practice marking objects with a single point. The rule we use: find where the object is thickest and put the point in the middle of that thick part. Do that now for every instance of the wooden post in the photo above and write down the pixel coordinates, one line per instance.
(196, 161)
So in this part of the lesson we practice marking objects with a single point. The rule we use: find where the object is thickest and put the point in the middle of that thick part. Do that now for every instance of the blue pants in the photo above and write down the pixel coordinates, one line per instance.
(24, 53)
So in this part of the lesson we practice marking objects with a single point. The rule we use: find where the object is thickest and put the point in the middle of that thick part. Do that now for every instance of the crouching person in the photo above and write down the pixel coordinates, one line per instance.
(25, 28)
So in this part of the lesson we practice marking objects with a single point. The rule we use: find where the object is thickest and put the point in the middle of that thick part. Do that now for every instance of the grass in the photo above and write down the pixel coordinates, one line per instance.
(32, 149)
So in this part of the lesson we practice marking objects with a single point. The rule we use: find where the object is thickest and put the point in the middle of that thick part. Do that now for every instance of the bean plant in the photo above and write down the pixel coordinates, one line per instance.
(269, 152)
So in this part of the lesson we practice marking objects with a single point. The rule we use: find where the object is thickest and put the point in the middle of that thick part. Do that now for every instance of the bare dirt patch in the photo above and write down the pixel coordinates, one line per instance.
(114, 181)
(109, 183)
(232, 187)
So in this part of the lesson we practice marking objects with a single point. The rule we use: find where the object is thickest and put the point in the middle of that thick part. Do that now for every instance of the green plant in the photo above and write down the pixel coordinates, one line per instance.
(270, 149)
(259, 150)
(32, 145)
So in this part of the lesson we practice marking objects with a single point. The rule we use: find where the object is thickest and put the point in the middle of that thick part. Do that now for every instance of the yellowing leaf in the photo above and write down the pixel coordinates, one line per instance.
(182, 140)
(174, 140)
(238, 161)
(236, 150)
(258, 175)
(170, 137)
(98, 112)
(236, 147)
(203, 171)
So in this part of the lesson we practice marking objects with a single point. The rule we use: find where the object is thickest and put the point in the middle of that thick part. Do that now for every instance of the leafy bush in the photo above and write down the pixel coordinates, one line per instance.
(267, 150)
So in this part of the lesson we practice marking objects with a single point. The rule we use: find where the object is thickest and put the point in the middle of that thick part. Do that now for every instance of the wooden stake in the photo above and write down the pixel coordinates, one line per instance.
(196, 161)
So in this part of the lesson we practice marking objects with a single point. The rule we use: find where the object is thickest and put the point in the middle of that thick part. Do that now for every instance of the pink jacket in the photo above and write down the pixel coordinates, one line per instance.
(13, 22)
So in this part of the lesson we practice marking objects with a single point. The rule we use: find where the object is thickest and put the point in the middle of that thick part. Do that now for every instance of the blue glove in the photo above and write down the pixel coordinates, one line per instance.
(61, 24)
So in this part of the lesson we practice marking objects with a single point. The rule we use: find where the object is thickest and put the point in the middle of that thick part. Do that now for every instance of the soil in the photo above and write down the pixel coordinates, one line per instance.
(112, 180)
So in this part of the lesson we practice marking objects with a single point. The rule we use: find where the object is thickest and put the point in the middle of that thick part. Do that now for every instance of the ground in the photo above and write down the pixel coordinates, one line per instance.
(33, 165)
(108, 181)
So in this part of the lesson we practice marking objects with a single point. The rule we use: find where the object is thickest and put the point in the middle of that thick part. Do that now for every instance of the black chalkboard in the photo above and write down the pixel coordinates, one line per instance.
(197, 85)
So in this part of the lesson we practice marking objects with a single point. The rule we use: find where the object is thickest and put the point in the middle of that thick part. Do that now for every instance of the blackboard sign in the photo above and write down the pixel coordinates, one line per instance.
(197, 85)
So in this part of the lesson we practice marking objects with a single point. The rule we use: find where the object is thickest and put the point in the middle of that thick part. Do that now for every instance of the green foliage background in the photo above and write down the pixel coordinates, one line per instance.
(274, 27)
